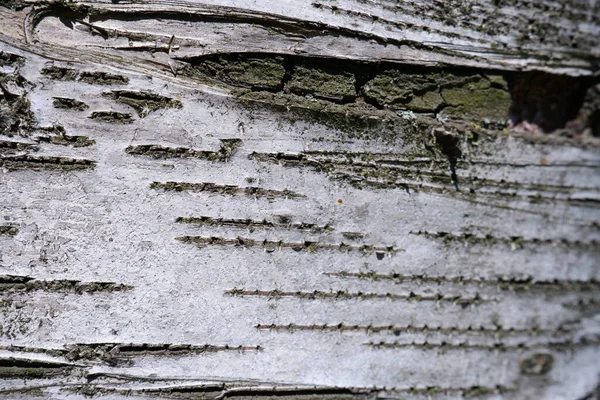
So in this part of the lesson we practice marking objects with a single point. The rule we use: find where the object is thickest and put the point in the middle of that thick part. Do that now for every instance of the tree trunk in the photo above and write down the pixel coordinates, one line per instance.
(339, 199)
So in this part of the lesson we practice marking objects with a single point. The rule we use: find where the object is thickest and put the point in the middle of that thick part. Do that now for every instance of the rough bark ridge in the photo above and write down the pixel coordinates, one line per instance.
(348, 199)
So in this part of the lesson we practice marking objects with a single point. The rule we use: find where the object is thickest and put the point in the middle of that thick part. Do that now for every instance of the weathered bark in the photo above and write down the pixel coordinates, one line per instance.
(339, 199)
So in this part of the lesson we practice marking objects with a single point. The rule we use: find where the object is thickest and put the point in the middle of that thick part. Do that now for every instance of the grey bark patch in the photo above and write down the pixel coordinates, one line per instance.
(517, 268)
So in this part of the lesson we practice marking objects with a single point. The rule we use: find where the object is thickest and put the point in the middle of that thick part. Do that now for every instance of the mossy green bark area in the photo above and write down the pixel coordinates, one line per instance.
(23, 373)
(398, 87)
(477, 101)
(356, 90)
(459, 96)
(428, 102)
(260, 72)
(323, 82)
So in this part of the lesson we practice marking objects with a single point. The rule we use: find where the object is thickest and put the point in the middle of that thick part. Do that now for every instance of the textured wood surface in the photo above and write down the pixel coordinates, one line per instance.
(343, 199)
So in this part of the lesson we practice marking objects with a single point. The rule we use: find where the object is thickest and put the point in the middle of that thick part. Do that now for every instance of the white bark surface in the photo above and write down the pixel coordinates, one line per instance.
(225, 243)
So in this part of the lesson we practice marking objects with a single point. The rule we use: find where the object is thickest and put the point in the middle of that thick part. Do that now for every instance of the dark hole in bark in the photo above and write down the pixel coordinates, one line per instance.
(595, 123)
(546, 101)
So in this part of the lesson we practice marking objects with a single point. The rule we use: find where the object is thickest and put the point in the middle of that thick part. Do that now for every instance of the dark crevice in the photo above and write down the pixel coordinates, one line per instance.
(449, 145)
(362, 77)
(291, 392)
(28, 363)
(14, 279)
(288, 65)
(545, 101)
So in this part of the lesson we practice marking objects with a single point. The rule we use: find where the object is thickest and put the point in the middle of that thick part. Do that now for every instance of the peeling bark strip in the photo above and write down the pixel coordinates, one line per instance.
(70, 104)
(232, 390)
(492, 331)
(230, 190)
(67, 140)
(38, 163)
(14, 368)
(112, 116)
(122, 354)
(227, 149)
(443, 346)
(281, 222)
(61, 138)
(12, 283)
(181, 389)
(344, 295)
(515, 241)
(8, 147)
(463, 134)
(453, 38)
(143, 102)
(8, 230)
(91, 77)
(270, 246)
(523, 283)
